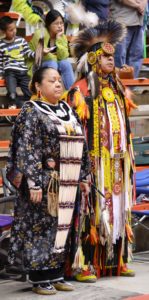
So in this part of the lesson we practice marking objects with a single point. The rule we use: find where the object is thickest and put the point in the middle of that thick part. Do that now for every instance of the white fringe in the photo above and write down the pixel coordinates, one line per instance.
(127, 183)
(71, 149)
(60, 240)
(122, 128)
(117, 216)
(69, 171)
(102, 199)
(111, 134)
(64, 215)
(67, 194)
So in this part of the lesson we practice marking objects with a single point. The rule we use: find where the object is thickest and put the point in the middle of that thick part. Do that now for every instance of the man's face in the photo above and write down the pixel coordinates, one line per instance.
(107, 63)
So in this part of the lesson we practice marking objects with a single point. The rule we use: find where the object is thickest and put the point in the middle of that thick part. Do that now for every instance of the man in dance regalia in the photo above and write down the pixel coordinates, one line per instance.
(100, 100)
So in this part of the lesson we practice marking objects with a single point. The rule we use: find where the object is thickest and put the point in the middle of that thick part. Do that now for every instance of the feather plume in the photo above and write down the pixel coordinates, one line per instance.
(90, 19)
(129, 233)
(78, 15)
(83, 110)
(93, 83)
(105, 221)
(39, 49)
(130, 105)
(82, 62)
(109, 31)
(94, 238)
(39, 54)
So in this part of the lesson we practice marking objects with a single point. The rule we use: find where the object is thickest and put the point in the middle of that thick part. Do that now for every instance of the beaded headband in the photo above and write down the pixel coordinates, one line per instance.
(106, 48)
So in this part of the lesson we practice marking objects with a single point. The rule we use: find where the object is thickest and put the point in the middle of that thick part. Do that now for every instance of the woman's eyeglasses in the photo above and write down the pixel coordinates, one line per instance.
(58, 24)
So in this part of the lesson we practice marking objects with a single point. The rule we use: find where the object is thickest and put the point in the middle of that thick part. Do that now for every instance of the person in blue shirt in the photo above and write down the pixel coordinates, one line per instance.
(100, 7)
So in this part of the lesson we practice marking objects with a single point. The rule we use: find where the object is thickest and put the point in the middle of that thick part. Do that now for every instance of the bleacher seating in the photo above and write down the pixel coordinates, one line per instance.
(4, 144)
(2, 83)
(13, 15)
(136, 82)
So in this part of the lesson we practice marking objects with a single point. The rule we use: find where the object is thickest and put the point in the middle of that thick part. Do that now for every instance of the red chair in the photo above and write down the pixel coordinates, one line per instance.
(140, 212)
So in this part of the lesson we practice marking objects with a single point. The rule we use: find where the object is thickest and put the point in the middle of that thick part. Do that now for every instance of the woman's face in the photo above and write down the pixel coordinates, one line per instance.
(56, 27)
(107, 64)
(51, 86)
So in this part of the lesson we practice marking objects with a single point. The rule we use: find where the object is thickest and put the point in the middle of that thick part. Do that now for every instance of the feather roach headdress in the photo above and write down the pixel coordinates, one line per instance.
(90, 44)
(90, 39)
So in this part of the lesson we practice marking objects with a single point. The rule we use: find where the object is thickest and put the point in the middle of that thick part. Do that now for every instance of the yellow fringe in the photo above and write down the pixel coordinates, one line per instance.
(79, 259)
(129, 233)
(130, 105)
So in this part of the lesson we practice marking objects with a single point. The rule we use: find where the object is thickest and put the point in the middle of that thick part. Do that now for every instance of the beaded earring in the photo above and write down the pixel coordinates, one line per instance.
(39, 94)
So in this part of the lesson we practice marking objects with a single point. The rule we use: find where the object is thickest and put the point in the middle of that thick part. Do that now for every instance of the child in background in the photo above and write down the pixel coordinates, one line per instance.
(13, 51)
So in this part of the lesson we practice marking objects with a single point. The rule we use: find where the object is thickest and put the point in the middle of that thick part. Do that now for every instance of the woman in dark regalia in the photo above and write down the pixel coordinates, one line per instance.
(47, 159)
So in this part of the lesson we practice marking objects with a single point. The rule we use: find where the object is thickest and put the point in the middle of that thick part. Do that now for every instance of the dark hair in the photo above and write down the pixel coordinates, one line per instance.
(51, 16)
(4, 22)
(38, 77)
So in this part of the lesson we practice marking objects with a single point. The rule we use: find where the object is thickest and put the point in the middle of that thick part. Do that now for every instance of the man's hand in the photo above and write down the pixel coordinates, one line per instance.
(142, 7)
(84, 187)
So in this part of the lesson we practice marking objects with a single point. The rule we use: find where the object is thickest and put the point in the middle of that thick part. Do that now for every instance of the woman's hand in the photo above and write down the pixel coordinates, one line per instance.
(60, 33)
(36, 195)
(84, 187)
(46, 50)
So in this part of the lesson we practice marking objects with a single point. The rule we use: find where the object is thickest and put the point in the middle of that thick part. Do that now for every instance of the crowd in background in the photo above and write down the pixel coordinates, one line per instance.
(131, 13)
(88, 131)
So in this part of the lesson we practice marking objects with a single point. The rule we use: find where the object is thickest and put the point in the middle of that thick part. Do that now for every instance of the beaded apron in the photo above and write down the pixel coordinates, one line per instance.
(71, 149)
(111, 166)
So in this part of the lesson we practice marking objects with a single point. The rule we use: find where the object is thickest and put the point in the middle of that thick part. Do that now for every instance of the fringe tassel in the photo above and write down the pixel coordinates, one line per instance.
(94, 238)
(96, 261)
(69, 171)
(129, 233)
(122, 128)
(67, 194)
(60, 240)
(79, 259)
(71, 149)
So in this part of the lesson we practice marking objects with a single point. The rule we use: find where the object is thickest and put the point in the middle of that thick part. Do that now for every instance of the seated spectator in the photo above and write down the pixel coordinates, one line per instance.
(13, 51)
(28, 11)
(57, 47)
